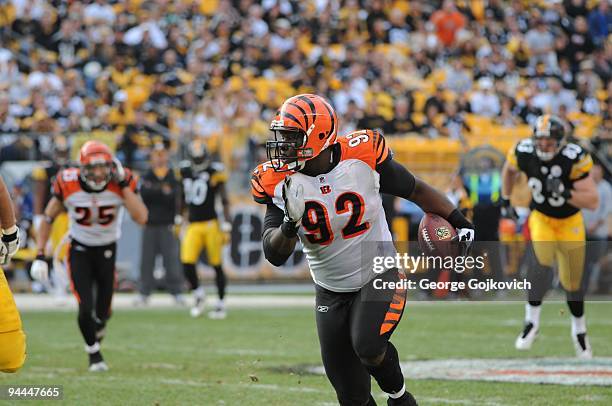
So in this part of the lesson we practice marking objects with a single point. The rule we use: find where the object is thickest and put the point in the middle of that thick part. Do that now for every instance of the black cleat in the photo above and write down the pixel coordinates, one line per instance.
(405, 400)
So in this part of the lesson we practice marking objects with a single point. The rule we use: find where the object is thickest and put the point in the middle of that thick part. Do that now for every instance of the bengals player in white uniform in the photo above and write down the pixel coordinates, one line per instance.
(325, 190)
(94, 195)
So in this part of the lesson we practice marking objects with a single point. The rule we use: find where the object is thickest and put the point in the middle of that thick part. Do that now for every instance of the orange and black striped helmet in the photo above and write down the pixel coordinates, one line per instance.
(304, 126)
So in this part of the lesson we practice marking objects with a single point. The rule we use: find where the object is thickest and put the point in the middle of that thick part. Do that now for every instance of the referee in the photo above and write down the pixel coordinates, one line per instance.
(160, 191)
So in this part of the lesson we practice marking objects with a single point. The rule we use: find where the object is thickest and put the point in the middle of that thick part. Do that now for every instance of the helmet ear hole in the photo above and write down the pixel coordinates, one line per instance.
(321, 136)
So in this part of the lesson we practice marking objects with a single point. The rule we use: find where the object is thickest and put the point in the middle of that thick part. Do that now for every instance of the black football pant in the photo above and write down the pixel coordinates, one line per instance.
(159, 239)
(92, 276)
(354, 330)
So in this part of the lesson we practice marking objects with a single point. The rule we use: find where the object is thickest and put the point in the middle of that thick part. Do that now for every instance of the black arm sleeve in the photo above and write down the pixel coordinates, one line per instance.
(395, 179)
(274, 217)
(272, 220)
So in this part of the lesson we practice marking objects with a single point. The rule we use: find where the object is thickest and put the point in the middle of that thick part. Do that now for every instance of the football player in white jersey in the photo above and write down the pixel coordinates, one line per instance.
(325, 190)
(94, 195)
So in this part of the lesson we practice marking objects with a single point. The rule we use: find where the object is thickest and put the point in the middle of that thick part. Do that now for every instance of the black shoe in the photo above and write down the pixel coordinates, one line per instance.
(405, 400)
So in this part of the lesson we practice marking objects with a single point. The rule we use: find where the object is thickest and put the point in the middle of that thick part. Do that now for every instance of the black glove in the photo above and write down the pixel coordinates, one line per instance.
(507, 211)
(556, 188)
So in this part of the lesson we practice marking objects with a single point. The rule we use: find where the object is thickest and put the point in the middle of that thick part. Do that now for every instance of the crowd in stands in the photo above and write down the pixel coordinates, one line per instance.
(219, 69)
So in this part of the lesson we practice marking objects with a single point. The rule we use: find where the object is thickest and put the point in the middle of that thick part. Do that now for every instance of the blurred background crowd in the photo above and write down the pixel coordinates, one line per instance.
(438, 77)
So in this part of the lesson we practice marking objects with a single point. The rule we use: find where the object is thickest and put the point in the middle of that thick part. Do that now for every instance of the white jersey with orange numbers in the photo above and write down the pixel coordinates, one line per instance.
(343, 210)
(95, 217)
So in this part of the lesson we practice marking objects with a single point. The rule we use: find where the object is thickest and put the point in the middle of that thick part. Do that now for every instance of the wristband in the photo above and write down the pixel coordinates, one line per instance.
(10, 230)
(458, 220)
(289, 229)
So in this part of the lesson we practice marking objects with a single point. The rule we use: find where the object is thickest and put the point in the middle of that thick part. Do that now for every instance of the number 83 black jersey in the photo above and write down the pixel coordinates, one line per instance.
(200, 189)
(571, 163)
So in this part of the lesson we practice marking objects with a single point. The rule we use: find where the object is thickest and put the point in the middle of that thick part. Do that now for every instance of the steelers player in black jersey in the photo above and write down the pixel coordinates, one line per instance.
(560, 182)
(202, 182)
(43, 177)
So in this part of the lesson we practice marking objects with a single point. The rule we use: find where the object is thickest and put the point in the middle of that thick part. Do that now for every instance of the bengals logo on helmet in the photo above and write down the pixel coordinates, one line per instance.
(304, 126)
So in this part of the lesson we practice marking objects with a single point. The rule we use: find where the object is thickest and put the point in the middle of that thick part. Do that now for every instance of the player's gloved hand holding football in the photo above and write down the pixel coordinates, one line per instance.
(10, 244)
(40, 269)
(557, 189)
(465, 231)
(119, 174)
(293, 197)
(507, 210)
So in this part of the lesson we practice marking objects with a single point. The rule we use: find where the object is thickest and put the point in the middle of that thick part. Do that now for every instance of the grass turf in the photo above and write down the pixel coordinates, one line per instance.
(254, 357)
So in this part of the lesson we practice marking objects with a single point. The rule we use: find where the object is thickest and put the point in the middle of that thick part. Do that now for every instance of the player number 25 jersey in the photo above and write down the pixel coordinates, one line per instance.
(343, 209)
(95, 217)
(572, 163)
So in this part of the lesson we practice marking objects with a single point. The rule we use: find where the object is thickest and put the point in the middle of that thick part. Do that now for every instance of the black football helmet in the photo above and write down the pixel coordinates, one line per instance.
(198, 155)
(549, 127)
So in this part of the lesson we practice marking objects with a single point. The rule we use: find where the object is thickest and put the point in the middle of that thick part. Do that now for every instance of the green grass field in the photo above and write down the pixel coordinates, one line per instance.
(255, 357)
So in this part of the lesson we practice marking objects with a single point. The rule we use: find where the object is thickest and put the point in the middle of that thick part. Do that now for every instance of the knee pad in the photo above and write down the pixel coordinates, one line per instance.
(371, 355)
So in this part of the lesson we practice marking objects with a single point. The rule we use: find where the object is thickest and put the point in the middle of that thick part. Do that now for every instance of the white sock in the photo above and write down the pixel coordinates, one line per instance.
(399, 393)
(92, 349)
(578, 325)
(532, 314)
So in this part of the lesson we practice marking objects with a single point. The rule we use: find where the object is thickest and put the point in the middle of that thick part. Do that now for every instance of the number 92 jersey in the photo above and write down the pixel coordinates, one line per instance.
(571, 163)
(95, 217)
(200, 189)
(343, 209)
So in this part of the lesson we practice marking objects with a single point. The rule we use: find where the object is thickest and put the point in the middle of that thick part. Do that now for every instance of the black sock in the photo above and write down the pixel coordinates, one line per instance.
(576, 307)
(87, 325)
(220, 280)
(191, 275)
(95, 357)
(388, 373)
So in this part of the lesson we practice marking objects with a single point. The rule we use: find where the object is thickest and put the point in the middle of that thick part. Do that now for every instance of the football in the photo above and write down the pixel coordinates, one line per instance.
(435, 235)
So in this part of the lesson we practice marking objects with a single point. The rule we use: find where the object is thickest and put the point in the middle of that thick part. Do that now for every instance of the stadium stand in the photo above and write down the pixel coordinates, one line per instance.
(438, 77)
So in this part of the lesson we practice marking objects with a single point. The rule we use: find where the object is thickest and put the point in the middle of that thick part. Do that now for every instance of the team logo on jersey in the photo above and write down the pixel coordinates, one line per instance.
(322, 179)
(322, 309)
(443, 233)
(325, 189)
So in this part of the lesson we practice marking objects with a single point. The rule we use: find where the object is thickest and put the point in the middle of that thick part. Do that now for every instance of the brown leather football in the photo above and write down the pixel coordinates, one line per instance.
(435, 234)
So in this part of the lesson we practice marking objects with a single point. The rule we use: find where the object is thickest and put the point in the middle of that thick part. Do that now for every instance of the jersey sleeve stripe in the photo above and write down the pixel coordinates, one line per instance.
(256, 185)
(383, 150)
(57, 189)
(581, 168)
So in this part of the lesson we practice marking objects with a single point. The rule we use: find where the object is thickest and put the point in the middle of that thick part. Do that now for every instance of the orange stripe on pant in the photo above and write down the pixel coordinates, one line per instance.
(396, 307)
